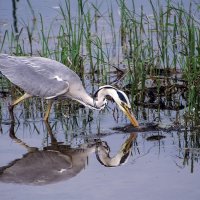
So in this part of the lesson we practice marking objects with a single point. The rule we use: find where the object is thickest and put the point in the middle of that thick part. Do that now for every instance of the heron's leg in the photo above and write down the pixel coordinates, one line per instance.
(50, 133)
(48, 110)
(25, 96)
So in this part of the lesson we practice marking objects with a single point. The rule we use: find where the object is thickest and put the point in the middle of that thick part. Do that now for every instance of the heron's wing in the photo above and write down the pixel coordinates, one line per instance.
(38, 76)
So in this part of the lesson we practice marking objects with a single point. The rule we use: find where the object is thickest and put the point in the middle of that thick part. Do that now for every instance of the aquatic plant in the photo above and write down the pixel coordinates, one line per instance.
(159, 52)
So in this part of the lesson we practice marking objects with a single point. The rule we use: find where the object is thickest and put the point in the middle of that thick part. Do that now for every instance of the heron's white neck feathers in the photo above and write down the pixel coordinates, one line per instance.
(108, 90)
(99, 101)
(102, 93)
(104, 158)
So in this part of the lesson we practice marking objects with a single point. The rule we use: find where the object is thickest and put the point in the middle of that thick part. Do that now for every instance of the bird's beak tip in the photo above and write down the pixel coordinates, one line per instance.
(134, 122)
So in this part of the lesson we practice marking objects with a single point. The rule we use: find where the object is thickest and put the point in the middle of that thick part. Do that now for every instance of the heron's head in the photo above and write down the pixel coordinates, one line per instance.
(120, 98)
(120, 158)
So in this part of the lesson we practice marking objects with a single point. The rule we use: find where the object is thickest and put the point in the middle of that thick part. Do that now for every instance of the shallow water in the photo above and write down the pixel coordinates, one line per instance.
(154, 169)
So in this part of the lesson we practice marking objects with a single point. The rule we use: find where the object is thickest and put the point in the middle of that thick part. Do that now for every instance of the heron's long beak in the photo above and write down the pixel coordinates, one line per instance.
(130, 115)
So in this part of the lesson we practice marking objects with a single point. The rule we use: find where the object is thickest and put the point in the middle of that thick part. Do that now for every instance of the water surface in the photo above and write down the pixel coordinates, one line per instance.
(154, 170)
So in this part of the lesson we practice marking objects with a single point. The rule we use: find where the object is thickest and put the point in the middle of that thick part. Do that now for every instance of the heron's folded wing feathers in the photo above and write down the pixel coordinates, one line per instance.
(36, 76)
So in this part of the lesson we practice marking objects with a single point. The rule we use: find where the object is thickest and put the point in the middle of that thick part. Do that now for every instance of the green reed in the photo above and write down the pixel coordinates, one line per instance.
(169, 39)
(70, 36)
(45, 51)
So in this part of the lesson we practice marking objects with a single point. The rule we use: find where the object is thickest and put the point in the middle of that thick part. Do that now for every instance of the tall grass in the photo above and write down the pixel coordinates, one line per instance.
(168, 40)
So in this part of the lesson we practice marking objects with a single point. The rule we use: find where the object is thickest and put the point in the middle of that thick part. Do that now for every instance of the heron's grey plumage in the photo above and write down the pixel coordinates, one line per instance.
(38, 76)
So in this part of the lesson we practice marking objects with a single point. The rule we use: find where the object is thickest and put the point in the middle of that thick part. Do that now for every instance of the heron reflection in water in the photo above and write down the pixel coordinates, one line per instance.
(51, 80)
(59, 162)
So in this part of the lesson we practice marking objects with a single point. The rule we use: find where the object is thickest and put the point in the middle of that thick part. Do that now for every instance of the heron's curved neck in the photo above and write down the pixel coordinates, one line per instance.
(99, 101)
(104, 158)
(101, 94)
(96, 103)
(89, 102)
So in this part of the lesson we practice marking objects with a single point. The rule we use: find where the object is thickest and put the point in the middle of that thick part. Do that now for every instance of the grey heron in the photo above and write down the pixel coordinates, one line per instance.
(49, 79)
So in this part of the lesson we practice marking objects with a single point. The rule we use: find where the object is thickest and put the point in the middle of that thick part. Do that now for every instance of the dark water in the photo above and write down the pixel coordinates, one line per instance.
(167, 168)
